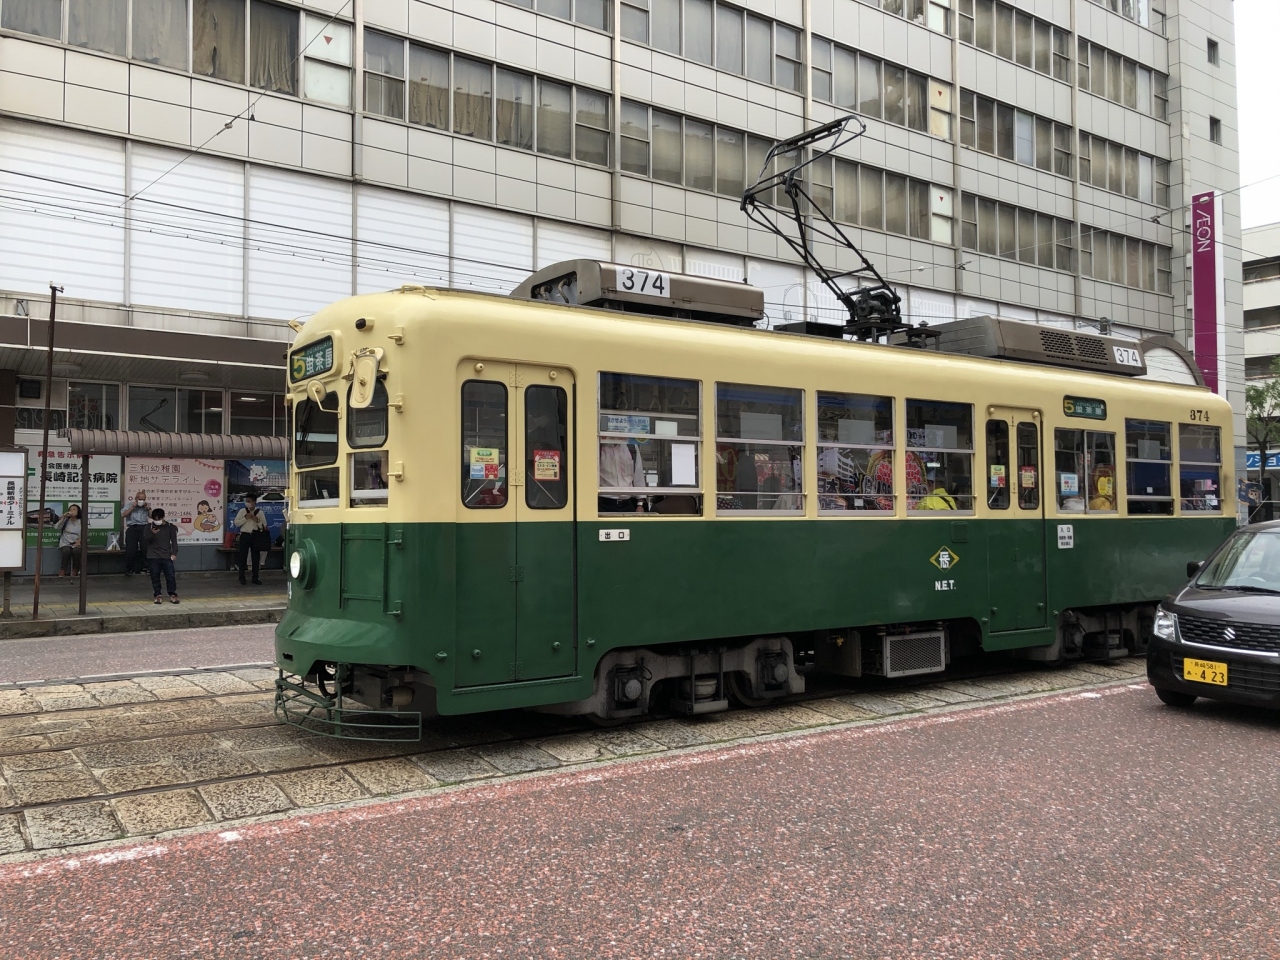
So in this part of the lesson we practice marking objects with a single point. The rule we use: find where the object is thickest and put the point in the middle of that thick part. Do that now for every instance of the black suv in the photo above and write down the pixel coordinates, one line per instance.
(1219, 636)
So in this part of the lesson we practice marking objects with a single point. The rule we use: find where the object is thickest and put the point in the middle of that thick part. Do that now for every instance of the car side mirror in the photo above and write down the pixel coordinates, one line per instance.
(1193, 567)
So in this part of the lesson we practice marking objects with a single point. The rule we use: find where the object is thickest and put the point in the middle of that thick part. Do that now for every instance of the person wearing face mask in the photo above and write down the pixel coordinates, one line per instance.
(136, 517)
(161, 540)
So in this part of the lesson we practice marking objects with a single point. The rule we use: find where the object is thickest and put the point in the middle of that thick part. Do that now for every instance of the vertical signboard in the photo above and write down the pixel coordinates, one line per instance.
(1208, 290)
(13, 509)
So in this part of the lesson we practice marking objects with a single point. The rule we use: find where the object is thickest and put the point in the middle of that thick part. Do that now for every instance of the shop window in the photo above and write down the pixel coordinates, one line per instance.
(99, 25)
(650, 449)
(93, 406)
(257, 414)
(1085, 471)
(484, 444)
(217, 39)
(153, 408)
(428, 87)
(40, 18)
(367, 427)
(200, 411)
(1199, 467)
(273, 47)
(319, 488)
(998, 464)
(759, 449)
(855, 453)
(160, 32)
(1148, 454)
(1028, 479)
(315, 432)
(369, 479)
(939, 455)
(546, 448)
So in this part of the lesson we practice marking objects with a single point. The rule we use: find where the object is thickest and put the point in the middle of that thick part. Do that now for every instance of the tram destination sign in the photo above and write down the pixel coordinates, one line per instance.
(1087, 407)
(311, 360)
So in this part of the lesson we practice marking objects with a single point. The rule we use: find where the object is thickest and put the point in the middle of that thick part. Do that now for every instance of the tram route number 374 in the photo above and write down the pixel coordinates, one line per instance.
(647, 283)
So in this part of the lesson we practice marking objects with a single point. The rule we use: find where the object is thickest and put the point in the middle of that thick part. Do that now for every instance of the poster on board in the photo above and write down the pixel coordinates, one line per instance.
(269, 479)
(63, 488)
(189, 491)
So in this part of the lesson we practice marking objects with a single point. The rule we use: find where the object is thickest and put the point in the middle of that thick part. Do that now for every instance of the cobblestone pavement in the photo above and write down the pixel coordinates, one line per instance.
(93, 762)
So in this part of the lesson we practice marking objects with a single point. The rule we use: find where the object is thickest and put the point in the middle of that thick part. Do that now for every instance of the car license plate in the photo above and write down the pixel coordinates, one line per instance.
(1205, 671)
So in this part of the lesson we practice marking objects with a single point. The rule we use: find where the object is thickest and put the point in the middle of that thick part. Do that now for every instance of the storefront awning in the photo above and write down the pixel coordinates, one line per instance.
(148, 443)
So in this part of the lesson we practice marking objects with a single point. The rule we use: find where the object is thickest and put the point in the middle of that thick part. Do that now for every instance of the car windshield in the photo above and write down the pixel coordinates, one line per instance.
(1249, 560)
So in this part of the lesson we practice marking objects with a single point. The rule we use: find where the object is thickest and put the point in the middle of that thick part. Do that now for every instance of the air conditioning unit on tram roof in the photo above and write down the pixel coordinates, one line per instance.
(1036, 343)
(632, 289)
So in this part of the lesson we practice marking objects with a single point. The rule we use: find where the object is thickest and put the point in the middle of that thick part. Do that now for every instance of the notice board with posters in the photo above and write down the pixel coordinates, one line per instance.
(190, 492)
(269, 479)
(63, 488)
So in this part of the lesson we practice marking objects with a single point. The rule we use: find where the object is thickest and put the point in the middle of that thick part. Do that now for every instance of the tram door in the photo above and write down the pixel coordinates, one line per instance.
(514, 546)
(1016, 537)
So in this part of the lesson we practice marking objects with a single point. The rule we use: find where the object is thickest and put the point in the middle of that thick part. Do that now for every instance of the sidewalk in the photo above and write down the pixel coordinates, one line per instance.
(117, 603)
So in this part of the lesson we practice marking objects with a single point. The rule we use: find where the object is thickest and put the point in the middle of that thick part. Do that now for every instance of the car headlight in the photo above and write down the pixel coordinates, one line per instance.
(1166, 626)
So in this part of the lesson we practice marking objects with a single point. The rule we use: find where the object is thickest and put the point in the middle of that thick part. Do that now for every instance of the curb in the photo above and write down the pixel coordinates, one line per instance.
(74, 626)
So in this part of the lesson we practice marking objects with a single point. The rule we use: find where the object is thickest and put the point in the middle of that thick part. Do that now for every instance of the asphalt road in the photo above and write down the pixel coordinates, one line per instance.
(129, 654)
(1097, 824)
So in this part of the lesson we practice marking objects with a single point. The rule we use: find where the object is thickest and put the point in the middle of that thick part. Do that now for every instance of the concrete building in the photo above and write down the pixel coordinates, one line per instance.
(1261, 300)
(212, 169)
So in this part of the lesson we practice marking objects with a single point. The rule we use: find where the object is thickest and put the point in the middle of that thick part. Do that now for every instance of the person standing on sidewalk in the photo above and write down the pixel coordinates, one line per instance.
(161, 541)
(255, 536)
(136, 517)
(69, 540)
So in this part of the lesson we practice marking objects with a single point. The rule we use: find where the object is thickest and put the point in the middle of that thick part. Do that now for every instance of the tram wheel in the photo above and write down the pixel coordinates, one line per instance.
(739, 689)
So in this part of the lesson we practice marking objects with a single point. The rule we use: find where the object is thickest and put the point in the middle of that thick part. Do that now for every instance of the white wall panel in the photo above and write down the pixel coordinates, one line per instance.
(714, 263)
(492, 251)
(558, 241)
(402, 238)
(61, 218)
(299, 243)
(186, 242)
(927, 306)
(783, 286)
(823, 307)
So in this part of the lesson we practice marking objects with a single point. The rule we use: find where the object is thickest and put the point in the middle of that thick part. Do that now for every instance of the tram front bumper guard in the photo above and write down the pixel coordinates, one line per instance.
(309, 710)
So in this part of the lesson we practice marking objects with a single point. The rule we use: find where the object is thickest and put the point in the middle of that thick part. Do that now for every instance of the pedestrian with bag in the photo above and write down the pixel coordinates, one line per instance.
(161, 543)
(69, 540)
(136, 517)
(255, 536)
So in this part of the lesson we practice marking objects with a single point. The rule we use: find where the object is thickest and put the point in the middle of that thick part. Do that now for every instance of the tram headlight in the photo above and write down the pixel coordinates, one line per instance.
(302, 564)
(1166, 625)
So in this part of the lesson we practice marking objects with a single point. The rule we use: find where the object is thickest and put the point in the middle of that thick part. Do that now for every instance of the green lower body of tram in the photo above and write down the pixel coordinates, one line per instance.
(424, 619)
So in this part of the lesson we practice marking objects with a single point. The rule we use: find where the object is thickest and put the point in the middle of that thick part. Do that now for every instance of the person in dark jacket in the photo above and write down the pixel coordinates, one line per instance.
(160, 540)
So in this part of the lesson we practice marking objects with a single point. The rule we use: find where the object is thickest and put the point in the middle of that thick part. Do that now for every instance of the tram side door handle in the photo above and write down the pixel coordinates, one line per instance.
(517, 476)
(397, 470)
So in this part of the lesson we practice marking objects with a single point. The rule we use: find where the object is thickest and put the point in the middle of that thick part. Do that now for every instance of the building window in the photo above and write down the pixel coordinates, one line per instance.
(472, 98)
(160, 32)
(729, 41)
(635, 20)
(1120, 80)
(326, 63)
(635, 138)
(93, 406)
(555, 127)
(759, 449)
(1015, 233)
(998, 129)
(875, 88)
(217, 39)
(1257, 368)
(589, 13)
(258, 414)
(787, 57)
(1148, 452)
(1215, 129)
(591, 143)
(1028, 41)
(1113, 258)
(1211, 51)
(273, 48)
(428, 87)
(170, 410)
(39, 18)
(514, 107)
(383, 75)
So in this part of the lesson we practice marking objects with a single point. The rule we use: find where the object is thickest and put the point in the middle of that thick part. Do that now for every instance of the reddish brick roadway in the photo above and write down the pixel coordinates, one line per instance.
(1097, 824)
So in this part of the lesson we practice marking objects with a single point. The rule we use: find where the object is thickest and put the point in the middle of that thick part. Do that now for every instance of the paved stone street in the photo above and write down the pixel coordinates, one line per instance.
(92, 762)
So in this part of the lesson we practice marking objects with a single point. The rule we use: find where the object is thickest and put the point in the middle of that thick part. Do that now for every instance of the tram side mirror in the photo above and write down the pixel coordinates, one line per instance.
(1193, 567)
(364, 376)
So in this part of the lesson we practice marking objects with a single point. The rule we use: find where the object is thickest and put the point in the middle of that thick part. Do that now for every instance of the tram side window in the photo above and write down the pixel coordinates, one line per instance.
(1085, 471)
(759, 449)
(1028, 466)
(650, 445)
(315, 444)
(998, 464)
(855, 453)
(546, 447)
(369, 479)
(939, 455)
(1199, 467)
(1148, 452)
(484, 444)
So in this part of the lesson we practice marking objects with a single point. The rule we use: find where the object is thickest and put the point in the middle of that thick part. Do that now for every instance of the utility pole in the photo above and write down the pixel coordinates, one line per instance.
(83, 546)
(44, 454)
